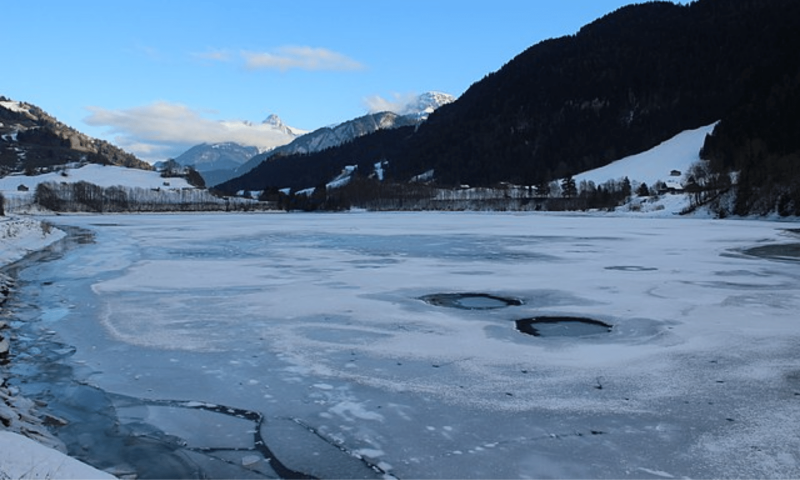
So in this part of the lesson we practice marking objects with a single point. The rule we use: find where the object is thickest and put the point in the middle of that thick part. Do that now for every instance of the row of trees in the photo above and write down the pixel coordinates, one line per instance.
(373, 194)
(88, 197)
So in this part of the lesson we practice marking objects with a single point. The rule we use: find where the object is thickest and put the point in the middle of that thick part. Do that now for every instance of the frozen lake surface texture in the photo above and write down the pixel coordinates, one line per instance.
(420, 345)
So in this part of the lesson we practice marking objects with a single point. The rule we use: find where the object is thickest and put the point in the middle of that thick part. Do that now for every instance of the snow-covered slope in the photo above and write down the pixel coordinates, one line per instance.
(104, 176)
(678, 154)
(19, 189)
(667, 162)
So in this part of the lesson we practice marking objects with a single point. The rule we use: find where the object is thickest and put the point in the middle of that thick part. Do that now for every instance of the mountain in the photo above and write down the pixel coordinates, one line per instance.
(414, 113)
(425, 104)
(621, 85)
(215, 162)
(327, 137)
(216, 156)
(31, 140)
(276, 123)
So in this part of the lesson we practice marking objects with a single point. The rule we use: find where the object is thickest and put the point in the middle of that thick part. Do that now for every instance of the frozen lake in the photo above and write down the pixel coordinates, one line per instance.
(335, 345)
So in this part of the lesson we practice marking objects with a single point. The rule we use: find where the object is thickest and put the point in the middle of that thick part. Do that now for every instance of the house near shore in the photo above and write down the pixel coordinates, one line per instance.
(671, 186)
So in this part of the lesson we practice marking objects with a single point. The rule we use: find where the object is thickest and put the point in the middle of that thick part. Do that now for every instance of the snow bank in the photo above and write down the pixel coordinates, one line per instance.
(20, 236)
(21, 457)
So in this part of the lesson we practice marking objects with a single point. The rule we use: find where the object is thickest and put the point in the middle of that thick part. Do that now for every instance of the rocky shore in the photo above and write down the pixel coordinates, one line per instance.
(18, 414)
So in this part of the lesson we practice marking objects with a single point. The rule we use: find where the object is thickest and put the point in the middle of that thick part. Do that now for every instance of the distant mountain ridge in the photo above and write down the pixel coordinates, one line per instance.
(216, 161)
(207, 157)
(31, 139)
(323, 138)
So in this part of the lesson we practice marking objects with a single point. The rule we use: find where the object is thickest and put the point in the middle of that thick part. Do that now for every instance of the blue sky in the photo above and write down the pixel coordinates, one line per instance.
(156, 77)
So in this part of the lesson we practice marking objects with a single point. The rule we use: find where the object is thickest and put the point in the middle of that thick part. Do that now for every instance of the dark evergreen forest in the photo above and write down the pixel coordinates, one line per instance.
(619, 86)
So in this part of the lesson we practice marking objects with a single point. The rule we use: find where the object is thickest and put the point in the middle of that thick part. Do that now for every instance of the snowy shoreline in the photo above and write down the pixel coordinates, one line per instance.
(27, 448)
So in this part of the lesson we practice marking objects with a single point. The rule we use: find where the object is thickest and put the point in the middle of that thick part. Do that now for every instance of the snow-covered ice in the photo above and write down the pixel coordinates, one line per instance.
(316, 322)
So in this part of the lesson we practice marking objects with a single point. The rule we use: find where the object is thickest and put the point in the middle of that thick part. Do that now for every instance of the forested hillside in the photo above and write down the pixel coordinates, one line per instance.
(760, 140)
(31, 140)
(619, 86)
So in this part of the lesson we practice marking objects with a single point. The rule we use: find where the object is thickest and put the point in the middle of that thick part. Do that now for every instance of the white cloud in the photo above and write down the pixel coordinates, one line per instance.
(163, 129)
(400, 103)
(299, 57)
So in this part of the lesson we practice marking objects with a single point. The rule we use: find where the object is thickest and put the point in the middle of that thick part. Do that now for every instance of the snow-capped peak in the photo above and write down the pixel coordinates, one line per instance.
(424, 104)
(275, 122)
(14, 106)
(415, 106)
(430, 101)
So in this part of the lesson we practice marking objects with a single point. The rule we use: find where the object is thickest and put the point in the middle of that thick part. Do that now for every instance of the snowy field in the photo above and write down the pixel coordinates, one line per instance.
(678, 153)
(101, 175)
(307, 340)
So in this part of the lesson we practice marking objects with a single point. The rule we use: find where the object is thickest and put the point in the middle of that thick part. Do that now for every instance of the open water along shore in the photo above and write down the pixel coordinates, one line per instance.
(28, 449)
(378, 345)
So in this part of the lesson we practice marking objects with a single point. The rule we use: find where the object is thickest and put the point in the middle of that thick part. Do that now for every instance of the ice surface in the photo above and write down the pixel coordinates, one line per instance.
(318, 323)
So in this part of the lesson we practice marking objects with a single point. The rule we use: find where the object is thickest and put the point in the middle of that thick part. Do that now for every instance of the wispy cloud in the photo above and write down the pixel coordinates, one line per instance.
(214, 55)
(300, 57)
(399, 103)
(163, 129)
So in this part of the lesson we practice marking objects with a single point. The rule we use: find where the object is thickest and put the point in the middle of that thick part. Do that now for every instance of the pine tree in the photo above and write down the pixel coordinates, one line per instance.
(568, 187)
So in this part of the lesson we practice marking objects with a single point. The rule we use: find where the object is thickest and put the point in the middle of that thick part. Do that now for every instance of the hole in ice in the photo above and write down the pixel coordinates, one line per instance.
(786, 251)
(631, 268)
(470, 301)
(562, 326)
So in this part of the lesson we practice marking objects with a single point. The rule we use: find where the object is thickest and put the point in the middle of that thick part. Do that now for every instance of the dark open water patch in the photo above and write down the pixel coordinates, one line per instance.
(470, 301)
(631, 268)
(785, 251)
(562, 326)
